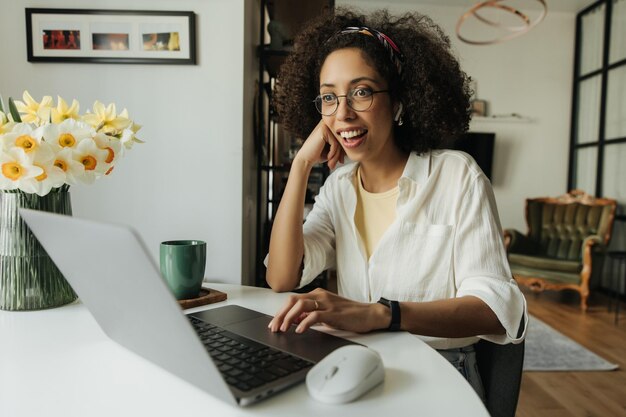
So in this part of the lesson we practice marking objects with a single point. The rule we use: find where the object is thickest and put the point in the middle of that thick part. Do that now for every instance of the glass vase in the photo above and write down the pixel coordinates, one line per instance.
(29, 280)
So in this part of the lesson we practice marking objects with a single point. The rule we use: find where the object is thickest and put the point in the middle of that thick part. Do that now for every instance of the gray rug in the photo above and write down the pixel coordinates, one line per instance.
(549, 350)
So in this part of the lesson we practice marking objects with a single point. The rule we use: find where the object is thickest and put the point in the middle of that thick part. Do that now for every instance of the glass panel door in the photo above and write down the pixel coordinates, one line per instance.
(615, 123)
(618, 32)
(592, 32)
(589, 110)
(614, 172)
(586, 168)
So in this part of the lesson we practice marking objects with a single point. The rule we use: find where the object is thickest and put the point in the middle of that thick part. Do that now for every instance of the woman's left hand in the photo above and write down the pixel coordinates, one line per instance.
(321, 306)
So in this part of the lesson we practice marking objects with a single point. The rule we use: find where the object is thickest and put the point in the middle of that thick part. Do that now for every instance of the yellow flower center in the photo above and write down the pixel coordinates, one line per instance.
(43, 175)
(61, 164)
(26, 142)
(66, 140)
(89, 162)
(110, 156)
(12, 170)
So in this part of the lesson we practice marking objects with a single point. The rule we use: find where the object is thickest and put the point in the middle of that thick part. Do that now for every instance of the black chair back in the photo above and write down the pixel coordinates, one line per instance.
(500, 367)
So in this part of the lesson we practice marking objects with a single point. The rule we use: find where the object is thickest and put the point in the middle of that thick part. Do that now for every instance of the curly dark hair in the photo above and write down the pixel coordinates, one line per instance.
(433, 89)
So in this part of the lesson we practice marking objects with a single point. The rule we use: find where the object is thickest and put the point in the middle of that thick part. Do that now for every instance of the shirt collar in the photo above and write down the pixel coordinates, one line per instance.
(347, 171)
(416, 170)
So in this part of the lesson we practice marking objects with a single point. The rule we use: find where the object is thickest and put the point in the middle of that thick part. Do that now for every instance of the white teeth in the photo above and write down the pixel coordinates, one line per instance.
(352, 133)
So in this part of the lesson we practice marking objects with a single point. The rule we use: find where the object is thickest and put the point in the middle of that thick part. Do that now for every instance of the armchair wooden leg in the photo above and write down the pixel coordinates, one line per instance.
(583, 300)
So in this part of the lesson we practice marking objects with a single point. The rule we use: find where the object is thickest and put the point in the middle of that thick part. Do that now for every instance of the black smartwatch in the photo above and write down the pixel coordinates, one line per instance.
(394, 306)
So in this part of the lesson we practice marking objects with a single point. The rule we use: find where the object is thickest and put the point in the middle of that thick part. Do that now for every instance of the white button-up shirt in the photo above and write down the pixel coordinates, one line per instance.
(445, 242)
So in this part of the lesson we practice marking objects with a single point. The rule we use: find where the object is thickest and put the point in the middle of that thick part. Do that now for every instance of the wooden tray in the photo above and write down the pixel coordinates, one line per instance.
(207, 296)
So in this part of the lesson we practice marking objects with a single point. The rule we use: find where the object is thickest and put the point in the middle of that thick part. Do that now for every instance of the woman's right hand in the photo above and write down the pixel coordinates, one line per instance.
(321, 146)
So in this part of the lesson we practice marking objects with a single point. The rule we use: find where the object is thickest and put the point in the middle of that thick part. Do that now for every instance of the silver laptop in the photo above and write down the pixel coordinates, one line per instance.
(226, 351)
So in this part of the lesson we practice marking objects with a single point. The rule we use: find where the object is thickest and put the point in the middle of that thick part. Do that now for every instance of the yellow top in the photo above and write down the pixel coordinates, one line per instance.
(374, 213)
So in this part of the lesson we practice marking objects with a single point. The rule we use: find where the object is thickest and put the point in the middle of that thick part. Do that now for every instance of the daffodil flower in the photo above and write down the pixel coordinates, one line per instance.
(67, 134)
(31, 111)
(106, 120)
(62, 111)
(28, 138)
(128, 138)
(93, 160)
(73, 170)
(51, 177)
(17, 171)
(111, 144)
(6, 125)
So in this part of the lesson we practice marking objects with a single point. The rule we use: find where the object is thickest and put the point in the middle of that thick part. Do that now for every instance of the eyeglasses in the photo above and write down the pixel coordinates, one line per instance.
(359, 99)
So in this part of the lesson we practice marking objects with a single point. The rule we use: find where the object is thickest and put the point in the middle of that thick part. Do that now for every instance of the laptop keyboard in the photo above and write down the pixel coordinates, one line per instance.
(244, 363)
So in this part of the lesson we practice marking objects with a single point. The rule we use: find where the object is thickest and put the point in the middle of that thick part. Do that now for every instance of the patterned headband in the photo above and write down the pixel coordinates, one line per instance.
(394, 52)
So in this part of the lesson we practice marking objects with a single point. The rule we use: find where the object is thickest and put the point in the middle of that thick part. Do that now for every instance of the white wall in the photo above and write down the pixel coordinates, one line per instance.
(186, 181)
(530, 75)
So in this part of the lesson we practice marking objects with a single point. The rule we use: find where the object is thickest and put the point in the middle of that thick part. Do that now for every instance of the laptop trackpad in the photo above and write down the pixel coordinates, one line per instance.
(311, 344)
(223, 316)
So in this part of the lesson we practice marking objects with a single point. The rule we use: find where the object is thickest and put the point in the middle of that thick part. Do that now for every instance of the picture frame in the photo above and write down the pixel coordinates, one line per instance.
(111, 36)
(479, 108)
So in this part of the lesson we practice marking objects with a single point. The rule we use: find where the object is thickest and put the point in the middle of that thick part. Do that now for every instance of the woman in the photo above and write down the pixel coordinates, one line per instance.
(412, 231)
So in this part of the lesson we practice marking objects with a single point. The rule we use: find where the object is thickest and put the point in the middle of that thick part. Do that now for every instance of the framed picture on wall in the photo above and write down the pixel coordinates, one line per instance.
(479, 107)
(111, 36)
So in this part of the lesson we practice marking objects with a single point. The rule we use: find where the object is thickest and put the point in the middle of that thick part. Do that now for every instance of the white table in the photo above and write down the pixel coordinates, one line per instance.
(58, 362)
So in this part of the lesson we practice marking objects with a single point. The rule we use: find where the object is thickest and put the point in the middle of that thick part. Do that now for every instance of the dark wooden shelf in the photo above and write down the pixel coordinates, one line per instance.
(292, 16)
(287, 167)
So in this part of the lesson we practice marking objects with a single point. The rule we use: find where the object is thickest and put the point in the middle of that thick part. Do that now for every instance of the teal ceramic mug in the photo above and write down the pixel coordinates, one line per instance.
(182, 266)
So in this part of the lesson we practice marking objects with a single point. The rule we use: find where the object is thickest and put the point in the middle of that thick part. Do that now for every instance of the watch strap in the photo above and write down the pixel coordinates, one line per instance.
(394, 306)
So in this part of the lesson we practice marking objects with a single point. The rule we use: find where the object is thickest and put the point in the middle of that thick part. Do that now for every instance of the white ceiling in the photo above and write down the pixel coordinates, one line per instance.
(553, 5)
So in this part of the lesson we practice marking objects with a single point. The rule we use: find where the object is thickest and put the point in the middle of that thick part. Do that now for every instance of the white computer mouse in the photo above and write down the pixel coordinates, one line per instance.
(345, 374)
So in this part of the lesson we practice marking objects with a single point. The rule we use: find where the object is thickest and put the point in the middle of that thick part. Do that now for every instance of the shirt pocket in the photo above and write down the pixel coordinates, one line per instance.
(421, 269)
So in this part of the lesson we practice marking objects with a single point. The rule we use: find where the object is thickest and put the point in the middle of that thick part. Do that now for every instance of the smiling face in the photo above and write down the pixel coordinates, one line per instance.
(364, 135)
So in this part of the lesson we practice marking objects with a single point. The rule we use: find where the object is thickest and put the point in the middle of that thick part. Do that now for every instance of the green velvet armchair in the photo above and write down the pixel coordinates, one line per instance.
(564, 245)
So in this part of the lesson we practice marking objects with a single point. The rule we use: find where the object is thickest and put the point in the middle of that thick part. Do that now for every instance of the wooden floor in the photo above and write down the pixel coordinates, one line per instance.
(585, 394)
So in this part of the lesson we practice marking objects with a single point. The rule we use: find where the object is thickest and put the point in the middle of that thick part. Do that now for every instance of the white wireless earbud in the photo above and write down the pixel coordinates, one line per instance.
(398, 113)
